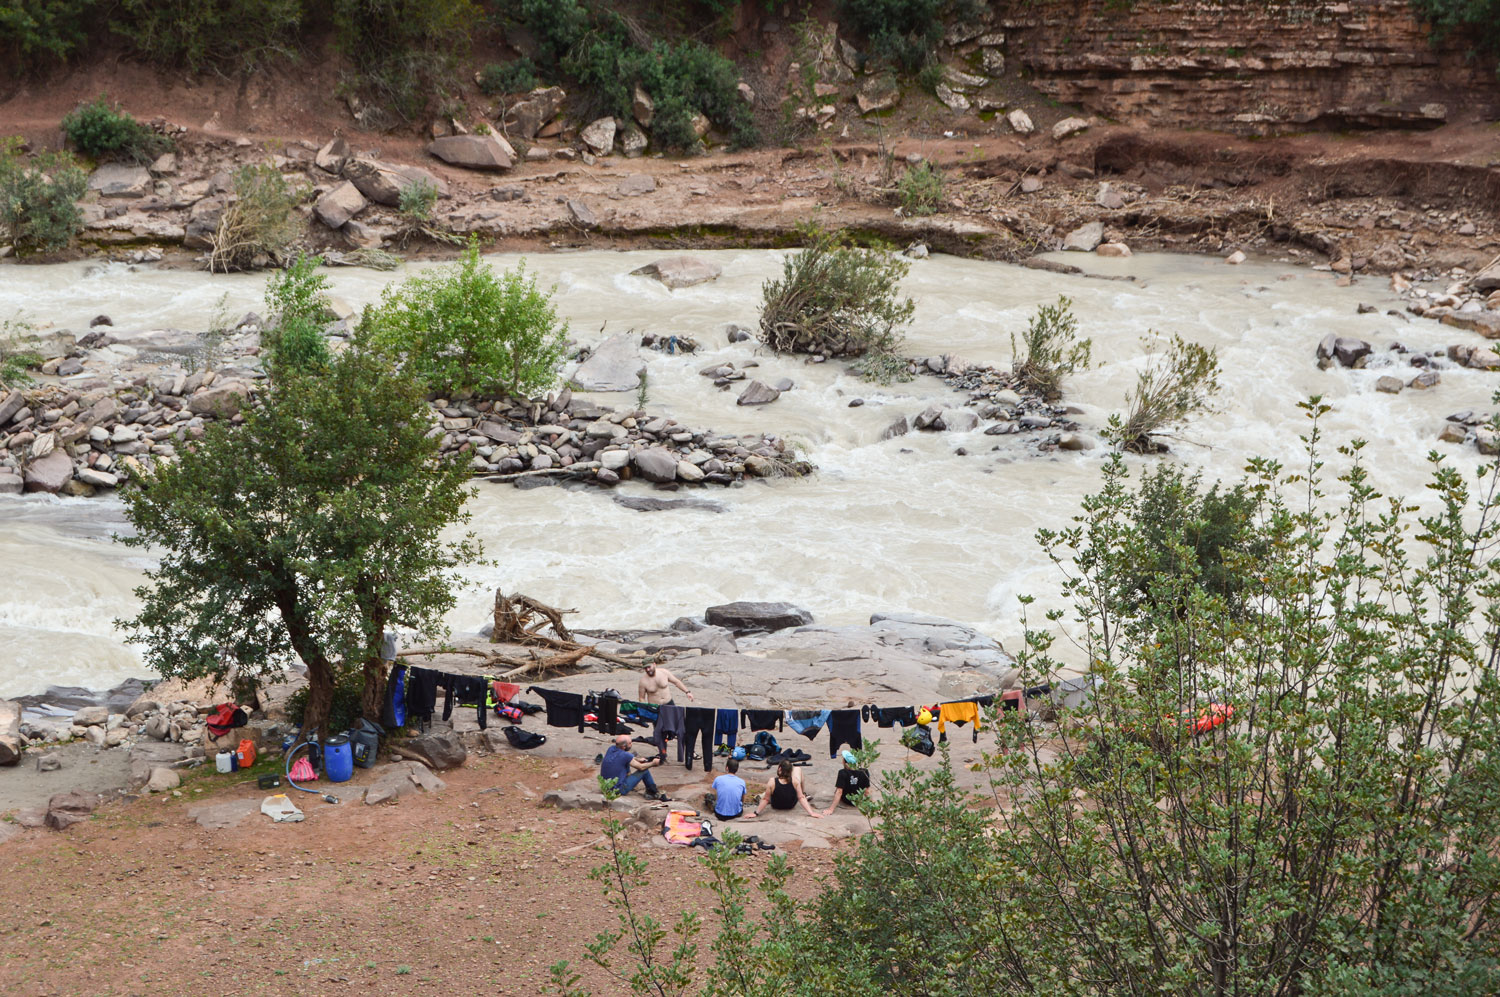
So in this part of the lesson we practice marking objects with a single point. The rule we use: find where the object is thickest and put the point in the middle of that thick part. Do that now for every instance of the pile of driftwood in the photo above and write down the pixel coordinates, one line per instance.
(520, 619)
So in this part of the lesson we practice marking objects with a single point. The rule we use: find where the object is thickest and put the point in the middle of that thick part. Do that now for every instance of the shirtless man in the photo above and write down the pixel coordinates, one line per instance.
(654, 685)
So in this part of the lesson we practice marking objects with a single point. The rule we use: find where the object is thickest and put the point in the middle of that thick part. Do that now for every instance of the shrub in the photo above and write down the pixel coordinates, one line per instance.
(1335, 836)
(608, 57)
(34, 32)
(464, 328)
(836, 300)
(417, 199)
(404, 51)
(902, 33)
(259, 227)
(101, 130)
(1050, 350)
(1207, 537)
(38, 200)
(1173, 386)
(16, 361)
(1477, 21)
(518, 76)
(298, 307)
(211, 34)
(921, 189)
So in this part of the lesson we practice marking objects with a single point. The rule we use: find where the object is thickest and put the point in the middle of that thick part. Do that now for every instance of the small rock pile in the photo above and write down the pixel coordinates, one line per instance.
(177, 722)
(993, 393)
(75, 441)
(570, 437)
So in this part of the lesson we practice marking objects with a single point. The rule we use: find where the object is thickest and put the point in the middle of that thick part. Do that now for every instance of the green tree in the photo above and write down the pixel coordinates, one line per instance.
(298, 304)
(1338, 833)
(404, 52)
(304, 533)
(35, 32)
(225, 35)
(38, 199)
(464, 328)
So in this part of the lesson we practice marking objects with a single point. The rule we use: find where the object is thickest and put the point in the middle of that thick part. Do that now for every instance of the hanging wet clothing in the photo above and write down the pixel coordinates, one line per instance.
(671, 719)
(505, 691)
(843, 728)
(698, 724)
(467, 690)
(421, 694)
(807, 722)
(727, 727)
(958, 713)
(638, 713)
(762, 719)
(393, 708)
(889, 716)
(564, 709)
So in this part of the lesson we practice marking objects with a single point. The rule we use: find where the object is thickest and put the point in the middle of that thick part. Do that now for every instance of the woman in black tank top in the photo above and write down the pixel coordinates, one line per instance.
(784, 791)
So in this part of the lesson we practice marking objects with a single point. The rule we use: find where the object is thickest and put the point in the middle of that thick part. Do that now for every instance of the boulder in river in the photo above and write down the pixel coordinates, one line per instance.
(756, 617)
(680, 271)
(50, 473)
(655, 464)
(616, 365)
(1347, 350)
(758, 394)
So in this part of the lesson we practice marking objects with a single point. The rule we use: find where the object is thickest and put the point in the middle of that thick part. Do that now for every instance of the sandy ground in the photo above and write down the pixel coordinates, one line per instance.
(472, 890)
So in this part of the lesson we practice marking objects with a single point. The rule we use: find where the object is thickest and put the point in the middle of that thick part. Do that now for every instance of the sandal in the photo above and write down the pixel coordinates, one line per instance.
(765, 846)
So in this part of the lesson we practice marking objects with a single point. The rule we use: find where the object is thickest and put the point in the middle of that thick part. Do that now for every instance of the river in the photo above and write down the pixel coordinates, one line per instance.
(899, 524)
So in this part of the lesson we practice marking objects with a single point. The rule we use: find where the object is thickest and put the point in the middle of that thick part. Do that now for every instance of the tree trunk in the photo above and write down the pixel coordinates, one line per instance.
(372, 702)
(320, 677)
(319, 698)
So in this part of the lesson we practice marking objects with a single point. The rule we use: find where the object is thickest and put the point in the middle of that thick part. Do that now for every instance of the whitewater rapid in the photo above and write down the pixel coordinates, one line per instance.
(898, 524)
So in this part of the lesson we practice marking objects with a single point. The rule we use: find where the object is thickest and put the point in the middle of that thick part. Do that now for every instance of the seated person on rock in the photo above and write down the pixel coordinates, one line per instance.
(852, 781)
(628, 771)
(729, 792)
(784, 791)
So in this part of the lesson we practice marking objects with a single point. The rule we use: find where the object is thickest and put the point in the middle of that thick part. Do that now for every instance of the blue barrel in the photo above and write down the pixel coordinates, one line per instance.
(338, 759)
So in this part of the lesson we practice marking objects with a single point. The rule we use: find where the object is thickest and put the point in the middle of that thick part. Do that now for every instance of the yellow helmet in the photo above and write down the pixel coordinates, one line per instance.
(924, 718)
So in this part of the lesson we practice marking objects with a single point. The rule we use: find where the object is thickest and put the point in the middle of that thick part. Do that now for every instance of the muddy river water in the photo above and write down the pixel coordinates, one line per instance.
(897, 524)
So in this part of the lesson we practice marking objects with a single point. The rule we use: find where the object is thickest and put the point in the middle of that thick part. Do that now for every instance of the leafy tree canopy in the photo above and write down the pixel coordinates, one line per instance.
(303, 533)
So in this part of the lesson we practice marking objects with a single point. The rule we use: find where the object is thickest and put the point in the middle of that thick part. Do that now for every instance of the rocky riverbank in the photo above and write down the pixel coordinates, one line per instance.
(750, 655)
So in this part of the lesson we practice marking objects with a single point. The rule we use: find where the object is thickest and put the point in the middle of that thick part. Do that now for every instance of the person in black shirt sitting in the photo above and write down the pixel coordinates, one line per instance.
(851, 783)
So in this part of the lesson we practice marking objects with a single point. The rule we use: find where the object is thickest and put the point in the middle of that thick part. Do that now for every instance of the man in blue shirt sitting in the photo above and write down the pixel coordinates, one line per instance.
(729, 792)
(627, 771)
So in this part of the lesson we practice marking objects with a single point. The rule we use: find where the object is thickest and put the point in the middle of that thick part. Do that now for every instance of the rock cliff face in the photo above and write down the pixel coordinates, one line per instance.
(1249, 66)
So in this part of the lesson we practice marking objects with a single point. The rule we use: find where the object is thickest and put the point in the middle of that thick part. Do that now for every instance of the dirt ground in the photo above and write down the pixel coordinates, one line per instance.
(476, 889)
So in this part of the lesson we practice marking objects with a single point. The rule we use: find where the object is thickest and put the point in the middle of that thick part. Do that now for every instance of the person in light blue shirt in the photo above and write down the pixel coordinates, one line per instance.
(729, 792)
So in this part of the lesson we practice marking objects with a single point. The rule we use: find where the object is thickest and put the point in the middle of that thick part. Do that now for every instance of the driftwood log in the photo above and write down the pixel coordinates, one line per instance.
(520, 619)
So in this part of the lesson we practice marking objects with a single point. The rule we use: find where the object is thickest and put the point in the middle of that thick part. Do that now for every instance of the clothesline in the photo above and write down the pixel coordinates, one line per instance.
(687, 724)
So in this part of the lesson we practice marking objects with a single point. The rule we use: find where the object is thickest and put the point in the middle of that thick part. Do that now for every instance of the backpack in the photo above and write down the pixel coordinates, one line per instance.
(225, 718)
(524, 739)
(919, 739)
